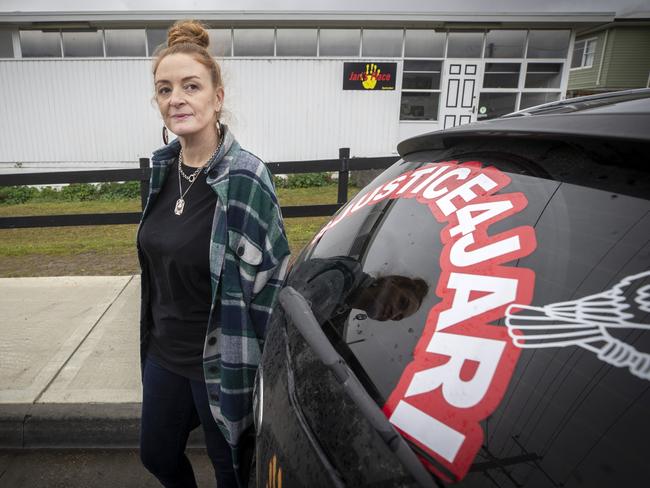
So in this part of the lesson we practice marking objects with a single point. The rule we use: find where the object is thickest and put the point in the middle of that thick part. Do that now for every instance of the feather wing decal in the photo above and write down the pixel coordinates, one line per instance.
(589, 322)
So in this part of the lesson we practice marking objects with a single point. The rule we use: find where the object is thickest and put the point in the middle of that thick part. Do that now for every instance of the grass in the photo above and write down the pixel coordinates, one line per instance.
(110, 249)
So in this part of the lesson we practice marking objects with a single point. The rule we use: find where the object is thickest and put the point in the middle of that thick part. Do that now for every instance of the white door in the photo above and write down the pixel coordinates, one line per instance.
(460, 92)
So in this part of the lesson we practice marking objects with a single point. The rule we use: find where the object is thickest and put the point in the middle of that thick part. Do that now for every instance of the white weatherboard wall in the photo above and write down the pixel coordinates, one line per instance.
(297, 110)
(100, 110)
(76, 110)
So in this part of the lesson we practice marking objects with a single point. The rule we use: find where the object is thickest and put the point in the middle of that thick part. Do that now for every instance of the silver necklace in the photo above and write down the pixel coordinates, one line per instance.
(180, 203)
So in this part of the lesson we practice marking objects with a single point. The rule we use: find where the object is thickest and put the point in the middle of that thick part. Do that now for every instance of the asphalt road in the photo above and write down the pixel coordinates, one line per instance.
(100, 468)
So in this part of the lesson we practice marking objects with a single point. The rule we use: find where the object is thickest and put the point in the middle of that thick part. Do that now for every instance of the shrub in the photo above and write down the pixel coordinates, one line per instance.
(49, 193)
(114, 191)
(307, 180)
(11, 195)
(130, 190)
(280, 181)
(79, 192)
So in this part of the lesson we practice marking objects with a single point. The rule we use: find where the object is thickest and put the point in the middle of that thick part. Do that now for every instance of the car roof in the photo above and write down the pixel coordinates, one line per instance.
(623, 115)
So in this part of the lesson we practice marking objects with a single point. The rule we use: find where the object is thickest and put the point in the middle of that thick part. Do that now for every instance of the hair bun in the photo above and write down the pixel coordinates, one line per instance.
(188, 32)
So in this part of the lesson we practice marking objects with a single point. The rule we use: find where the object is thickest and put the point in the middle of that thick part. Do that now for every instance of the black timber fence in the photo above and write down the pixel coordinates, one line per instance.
(343, 165)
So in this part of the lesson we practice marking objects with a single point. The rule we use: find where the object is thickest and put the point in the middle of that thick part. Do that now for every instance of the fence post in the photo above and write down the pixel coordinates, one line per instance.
(344, 173)
(144, 183)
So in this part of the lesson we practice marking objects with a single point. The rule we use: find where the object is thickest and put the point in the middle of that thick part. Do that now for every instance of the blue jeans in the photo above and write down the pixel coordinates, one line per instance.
(172, 406)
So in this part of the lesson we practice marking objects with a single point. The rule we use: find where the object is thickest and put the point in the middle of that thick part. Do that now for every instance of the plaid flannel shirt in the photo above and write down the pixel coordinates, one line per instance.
(249, 255)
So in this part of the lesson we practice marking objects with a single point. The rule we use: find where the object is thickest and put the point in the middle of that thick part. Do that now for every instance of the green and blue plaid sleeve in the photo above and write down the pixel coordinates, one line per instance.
(254, 270)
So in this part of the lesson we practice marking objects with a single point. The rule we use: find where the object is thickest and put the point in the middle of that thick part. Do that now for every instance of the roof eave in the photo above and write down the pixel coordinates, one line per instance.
(443, 19)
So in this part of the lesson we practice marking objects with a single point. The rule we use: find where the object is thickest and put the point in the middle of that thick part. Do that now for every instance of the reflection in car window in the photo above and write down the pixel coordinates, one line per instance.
(379, 251)
(336, 285)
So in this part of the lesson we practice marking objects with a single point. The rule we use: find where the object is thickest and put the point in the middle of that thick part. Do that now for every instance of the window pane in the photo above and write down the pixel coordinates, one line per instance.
(424, 44)
(543, 75)
(125, 42)
(532, 99)
(253, 42)
(220, 42)
(421, 81)
(339, 42)
(6, 45)
(156, 37)
(492, 105)
(419, 106)
(296, 42)
(411, 65)
(590, 50)
(578, 50)
(465, 45)
(37, 44)
(83, 44)
(505, 44)
(548, 44)
(423, 75)
(501, 75)
(382, 42)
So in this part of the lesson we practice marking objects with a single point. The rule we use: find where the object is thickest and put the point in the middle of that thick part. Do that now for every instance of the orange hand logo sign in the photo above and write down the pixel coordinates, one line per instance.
(275, 474)
(370, 79)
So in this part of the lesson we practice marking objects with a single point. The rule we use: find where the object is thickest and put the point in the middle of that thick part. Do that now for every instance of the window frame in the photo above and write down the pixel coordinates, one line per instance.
(22, 51)
(319, 53)
(501, 88)
(434, 31)
(421, 90)
(102, 42)
(143, 30)
(545, 88)
(294, 56)
(233, 37)
(521, 89)
(377, 29)
(532, 31)
(10, 32)
(593, 41)
(524, 50)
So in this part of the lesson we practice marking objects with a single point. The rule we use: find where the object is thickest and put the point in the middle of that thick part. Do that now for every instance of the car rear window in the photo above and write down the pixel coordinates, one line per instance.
(421, 278)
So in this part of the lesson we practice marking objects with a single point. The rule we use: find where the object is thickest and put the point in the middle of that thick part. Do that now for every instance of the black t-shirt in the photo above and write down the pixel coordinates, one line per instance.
(176, 249)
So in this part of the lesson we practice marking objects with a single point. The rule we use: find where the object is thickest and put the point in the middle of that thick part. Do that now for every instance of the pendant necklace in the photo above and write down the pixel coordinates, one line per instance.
(180, 203)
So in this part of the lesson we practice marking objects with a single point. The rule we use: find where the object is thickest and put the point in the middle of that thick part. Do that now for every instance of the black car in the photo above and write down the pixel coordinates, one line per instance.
(478, 315)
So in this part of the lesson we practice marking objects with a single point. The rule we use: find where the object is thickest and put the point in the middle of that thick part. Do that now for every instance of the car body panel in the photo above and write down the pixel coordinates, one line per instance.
(543, 377)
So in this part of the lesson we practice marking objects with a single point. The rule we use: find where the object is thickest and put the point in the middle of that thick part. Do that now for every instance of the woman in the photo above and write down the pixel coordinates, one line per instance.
(213, 254)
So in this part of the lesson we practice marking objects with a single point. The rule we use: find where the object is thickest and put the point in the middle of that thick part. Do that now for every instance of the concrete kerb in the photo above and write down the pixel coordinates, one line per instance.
(12, 419)
(81, 426)
(75, 426)
(69, 425)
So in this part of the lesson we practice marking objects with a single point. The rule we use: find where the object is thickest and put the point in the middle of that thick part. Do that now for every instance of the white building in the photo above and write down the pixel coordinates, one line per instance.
(77, 90)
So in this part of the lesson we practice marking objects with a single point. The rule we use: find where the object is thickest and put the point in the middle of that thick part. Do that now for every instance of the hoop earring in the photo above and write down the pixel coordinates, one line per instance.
(165, 135)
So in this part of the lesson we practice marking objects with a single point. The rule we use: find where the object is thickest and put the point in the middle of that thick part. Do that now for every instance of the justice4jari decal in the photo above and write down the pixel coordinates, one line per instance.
(463, 362)
(590, 322)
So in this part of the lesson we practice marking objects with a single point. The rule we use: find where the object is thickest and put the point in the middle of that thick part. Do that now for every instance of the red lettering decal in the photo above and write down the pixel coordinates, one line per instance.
(390, 188)
(463, 362)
